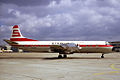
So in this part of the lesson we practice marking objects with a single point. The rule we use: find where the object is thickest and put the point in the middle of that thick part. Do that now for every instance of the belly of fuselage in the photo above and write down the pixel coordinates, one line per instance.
(96, 50)
(82, 50)
(36, 49)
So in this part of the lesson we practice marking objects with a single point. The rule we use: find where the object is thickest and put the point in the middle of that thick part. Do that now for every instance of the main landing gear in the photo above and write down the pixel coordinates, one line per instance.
(102, 56)
(60, 56)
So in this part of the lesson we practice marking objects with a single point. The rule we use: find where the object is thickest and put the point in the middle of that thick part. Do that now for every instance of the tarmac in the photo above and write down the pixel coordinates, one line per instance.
(46, 66)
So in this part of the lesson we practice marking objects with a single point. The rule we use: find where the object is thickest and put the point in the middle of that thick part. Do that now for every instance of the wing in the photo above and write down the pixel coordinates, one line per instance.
(68, 48)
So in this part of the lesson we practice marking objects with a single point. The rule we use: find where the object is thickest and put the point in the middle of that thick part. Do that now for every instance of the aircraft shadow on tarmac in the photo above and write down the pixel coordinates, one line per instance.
(53, 58)
(49, 58)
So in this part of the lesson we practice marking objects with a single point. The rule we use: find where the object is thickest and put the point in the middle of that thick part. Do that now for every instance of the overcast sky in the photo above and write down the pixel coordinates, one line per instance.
(61, 19)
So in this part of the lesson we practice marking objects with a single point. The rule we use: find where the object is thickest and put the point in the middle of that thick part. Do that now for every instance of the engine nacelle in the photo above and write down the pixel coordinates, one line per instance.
(68, 48)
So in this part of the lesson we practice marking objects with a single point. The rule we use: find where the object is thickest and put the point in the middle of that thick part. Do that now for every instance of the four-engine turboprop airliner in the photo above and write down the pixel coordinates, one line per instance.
(62, 47)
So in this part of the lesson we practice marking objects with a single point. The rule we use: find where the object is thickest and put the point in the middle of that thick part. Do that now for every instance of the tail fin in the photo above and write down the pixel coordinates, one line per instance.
(17, 36)
(16, 32)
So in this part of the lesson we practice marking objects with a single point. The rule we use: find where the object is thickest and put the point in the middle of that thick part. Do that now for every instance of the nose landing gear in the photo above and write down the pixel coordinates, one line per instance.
(102, 56)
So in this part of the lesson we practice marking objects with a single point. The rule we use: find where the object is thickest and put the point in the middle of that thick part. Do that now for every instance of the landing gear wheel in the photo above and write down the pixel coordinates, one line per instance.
(59, 56)
(65, 56)
(102, 56)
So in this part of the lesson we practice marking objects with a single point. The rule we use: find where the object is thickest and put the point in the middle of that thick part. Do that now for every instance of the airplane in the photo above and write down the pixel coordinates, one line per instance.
(64, 48)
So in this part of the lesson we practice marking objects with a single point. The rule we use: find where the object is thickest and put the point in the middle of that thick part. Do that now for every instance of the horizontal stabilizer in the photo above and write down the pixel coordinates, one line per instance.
(10, 42)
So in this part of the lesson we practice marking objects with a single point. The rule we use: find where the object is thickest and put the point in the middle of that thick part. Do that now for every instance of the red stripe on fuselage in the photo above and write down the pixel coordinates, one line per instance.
(50, 45)
(21, 39)
(32, 45)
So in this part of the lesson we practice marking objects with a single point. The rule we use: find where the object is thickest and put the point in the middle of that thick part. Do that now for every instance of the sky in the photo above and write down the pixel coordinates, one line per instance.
(61, 19)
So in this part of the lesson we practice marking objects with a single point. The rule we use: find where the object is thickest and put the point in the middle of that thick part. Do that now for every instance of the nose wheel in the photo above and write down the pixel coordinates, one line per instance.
(102, 56)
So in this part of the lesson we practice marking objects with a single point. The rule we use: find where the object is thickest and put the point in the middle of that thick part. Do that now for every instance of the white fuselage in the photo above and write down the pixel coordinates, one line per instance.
(85, 46)
(62, 42)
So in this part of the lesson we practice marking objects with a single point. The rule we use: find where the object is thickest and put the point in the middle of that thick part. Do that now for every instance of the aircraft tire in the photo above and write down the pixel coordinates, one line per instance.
(59, 56)
(64, 56)
(102, 56)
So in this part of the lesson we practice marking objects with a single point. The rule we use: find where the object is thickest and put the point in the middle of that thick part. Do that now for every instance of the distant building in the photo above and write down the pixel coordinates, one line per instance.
(3, 47)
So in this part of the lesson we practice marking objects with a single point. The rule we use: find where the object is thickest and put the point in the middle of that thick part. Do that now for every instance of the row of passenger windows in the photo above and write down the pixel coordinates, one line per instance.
(57, 43)
(76, 44)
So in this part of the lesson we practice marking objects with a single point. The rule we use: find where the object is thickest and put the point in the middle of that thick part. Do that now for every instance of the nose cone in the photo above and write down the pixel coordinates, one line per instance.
(110, 48)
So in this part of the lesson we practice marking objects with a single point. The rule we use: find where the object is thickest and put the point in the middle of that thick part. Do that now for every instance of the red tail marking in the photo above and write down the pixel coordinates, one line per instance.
(17, 36)
(16, 33)
(16, 26)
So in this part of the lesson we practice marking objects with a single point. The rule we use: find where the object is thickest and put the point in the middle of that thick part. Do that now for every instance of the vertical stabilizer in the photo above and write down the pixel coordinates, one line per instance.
(17, 36)
(16, 32)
